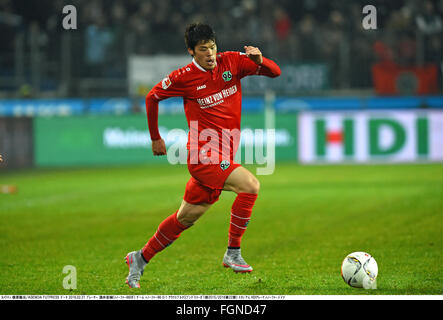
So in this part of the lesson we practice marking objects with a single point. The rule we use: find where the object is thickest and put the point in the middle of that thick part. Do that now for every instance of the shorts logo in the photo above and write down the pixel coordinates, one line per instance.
(166, 82)
(224, 165)
(227, 76)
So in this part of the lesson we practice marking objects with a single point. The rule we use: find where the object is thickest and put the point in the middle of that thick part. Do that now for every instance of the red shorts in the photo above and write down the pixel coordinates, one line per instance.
(207, 181)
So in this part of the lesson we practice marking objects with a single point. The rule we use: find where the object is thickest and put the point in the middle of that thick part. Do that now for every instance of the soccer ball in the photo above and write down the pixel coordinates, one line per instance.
(360, 270)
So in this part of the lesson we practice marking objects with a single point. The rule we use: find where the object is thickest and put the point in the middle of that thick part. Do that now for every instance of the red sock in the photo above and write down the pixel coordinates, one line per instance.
(240, 215)
(168, 231)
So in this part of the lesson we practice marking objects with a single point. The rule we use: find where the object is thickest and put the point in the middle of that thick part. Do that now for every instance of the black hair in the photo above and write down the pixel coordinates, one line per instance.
(197, 32)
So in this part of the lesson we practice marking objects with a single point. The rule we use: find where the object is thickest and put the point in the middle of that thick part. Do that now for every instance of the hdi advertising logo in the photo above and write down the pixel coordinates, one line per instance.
(375, 136)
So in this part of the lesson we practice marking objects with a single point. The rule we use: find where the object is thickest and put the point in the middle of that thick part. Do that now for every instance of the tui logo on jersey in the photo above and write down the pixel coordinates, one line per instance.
(227, 76)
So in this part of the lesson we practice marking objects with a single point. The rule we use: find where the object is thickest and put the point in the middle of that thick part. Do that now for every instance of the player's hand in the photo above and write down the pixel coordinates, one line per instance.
(254, 54)
(158, 147)
(1, 159)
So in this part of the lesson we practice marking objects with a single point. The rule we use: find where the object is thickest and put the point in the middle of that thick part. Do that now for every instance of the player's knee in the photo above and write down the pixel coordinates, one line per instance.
(188, 216)
(251, 185)
(255, 186)
(186, 220)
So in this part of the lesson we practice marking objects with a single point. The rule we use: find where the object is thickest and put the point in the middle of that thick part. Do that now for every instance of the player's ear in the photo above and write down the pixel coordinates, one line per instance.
(191, 52)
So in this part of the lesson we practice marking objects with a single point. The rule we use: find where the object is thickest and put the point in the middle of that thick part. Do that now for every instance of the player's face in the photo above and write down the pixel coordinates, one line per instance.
(204, 53)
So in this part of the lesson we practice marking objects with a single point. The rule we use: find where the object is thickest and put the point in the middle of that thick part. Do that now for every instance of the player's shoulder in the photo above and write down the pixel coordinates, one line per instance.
(179, 76)
(181, 73)
(229, 55)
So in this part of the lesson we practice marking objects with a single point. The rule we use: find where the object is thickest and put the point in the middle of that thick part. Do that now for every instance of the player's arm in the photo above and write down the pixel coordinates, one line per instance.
(158, 144)
(254, 63)
(164, 89)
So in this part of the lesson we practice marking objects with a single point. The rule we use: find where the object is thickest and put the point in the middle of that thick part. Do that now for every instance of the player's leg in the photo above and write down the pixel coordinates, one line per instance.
(168, 231)
(171, 228)
(246, 185)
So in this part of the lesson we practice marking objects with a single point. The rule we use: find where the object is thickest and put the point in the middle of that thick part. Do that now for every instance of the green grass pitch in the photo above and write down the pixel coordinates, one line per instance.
(306, 220)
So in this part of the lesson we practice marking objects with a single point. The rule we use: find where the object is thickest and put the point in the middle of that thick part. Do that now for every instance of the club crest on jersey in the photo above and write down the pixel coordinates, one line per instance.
(224, 165)
(166, 82)
(227, 76)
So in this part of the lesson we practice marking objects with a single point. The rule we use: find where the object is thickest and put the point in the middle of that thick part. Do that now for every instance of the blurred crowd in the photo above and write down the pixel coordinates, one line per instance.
(289, 31)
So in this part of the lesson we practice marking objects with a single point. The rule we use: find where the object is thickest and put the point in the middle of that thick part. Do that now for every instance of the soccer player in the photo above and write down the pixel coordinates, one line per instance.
(211, 90)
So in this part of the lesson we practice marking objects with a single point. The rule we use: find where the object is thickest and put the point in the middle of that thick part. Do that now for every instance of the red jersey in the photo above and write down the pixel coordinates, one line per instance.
(211, 98)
